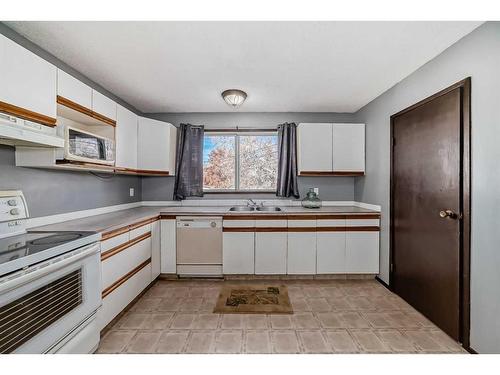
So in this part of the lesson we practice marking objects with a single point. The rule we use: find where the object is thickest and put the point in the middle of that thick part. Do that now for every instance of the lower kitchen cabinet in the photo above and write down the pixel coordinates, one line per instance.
(168, 246)
(362, 252)
(238, 253)
(155, 250)
(301, 258)
(331, 250)
(270, 253)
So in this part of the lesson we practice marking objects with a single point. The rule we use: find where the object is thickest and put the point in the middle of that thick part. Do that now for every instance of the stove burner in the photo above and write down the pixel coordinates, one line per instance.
(56, 238)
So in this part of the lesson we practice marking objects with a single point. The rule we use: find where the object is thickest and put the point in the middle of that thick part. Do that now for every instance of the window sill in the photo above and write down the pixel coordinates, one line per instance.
(239, 192)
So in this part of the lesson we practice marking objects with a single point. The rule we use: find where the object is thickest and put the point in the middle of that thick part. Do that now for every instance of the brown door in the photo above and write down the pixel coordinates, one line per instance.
(427, 197)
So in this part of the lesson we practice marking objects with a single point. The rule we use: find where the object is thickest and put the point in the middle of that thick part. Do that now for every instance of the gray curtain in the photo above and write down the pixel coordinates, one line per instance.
(189, 162)
(287, 161)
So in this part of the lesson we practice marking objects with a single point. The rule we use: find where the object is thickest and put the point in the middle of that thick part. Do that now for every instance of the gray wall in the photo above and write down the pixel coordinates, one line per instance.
(330, 188)
(476, 55)
(50, 192)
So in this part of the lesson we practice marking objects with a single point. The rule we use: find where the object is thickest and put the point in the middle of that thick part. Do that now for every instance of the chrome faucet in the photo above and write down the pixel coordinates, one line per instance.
(252, 203)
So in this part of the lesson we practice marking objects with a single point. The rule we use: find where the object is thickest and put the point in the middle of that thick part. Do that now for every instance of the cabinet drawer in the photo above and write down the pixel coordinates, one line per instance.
(119, 298)
(362, 222)
(238, 223)
(330, 223)
(271, 223)
(114, 242)
(119, 264)
(139, 231)
(302, 223)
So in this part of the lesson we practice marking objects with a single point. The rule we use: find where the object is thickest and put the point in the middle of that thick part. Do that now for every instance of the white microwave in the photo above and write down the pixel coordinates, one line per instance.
(82, 146)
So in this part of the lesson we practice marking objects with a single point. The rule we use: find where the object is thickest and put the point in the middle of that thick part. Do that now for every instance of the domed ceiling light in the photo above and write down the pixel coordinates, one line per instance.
(234, 97)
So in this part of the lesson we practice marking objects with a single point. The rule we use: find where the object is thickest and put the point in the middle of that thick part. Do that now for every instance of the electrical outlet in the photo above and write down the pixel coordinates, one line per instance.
(316, 190)
(132, 192)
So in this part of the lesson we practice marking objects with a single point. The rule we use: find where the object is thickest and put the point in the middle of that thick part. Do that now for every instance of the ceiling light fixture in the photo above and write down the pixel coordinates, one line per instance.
(234, 97)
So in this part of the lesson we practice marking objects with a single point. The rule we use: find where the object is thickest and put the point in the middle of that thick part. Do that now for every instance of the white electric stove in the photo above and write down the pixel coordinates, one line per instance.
(50, 285)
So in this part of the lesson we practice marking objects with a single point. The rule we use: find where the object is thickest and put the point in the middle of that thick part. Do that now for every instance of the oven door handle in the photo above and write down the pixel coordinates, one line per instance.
(43, 269)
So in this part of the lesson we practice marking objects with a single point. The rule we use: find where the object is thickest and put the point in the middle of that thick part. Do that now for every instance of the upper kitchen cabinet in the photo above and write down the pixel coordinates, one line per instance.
(349, 148)
(104, 107)
(28, 84)
(331, 149)
(70, 88)
(156, 144)
(126, 138)
(314, 148)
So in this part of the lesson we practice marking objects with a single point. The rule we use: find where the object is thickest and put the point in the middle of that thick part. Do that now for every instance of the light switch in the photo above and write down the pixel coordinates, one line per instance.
(132, 192)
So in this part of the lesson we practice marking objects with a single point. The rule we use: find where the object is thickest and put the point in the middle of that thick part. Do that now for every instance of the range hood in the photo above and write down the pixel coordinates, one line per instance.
(16, 131)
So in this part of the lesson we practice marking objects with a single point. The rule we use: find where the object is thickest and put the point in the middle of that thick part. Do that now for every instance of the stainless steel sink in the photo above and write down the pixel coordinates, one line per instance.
(268, 208)
(242, 208)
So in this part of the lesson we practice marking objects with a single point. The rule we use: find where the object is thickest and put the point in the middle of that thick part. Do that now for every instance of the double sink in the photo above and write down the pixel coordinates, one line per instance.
(257, 208)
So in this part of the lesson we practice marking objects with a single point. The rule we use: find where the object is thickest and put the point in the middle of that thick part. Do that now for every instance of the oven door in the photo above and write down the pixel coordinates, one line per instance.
(87, 147)
(41, 305)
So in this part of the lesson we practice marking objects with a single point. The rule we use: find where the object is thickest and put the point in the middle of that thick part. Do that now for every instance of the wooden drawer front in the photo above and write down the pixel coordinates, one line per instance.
(238, 223)
(271, 223)
(301, 223)
(136, 232)
(122, 262)
(362, 222)
(119, 298)
(114, 242)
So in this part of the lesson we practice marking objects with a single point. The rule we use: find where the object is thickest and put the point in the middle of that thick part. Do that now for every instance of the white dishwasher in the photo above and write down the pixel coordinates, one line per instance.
(199, 246)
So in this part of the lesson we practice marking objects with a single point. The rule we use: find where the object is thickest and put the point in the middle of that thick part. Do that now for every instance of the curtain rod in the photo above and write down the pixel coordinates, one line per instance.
(232, 130)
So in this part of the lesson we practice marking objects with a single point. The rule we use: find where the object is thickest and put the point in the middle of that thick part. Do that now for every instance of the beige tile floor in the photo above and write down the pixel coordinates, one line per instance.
(331, 316)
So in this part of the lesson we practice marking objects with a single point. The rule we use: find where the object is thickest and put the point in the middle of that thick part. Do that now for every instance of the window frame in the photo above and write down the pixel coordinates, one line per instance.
(237, 133)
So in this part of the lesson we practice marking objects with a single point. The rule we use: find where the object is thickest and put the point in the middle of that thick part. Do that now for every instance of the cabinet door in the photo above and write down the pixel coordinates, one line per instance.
(103, 105)
(26, 80)
(314, 147)
(362, 252)
(126, 138)
(270, 247)
(301, 257)
(348, 147)
(238, 253)
(154, 145)
(168, 258)
(330, 246)
(155, 250)
(71, 88)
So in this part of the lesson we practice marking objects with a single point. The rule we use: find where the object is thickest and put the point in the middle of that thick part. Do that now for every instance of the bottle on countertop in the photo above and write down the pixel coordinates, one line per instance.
(311, 200)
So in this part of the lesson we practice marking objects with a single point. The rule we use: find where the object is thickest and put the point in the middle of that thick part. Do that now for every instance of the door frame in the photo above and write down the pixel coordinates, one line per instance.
(465, 183)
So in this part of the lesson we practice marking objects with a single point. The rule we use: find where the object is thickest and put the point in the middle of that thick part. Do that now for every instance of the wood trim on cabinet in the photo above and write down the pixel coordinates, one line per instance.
(84, 110)
(301, 217)
(271, 229)
(238, 229)
(301, 229)
(124, 278)
(328, 173)
(123, 246)
(363, 216)
(331, 229)
(141, 171)
(116, 232)
(27, 114)
(167, 217)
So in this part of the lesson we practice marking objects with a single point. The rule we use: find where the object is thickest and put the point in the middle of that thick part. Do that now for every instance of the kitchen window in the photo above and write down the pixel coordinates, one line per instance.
(240, 161)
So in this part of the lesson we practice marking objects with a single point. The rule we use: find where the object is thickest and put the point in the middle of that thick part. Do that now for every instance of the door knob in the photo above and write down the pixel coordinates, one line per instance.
(448, 213)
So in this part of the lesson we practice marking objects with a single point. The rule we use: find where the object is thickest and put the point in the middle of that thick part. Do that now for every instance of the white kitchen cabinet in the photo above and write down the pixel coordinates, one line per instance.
(155, 249)
(103, 105)
(270, 247)
(314, 148)
(71, 88)
(331, 246)
(362, 246)
(26, 80)
(348, 147)
(126, 138)
(156, 145)
(301, 258)
(238, 253)
(168, 257)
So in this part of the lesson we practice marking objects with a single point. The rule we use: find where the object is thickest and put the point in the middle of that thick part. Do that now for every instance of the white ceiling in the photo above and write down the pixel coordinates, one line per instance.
(283, 66)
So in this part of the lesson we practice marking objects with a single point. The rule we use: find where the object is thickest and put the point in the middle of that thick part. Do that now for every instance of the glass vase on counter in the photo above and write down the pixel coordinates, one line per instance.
(311, 200)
